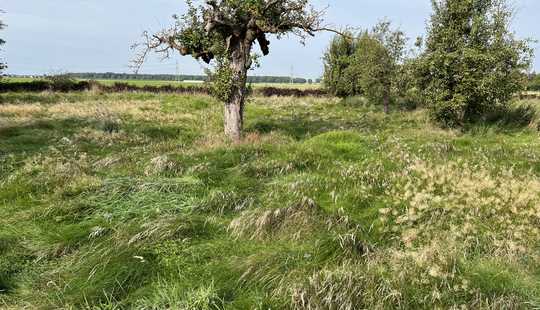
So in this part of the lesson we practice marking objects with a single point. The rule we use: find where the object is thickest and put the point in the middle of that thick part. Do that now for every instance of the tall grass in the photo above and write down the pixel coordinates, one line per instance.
(136, 201)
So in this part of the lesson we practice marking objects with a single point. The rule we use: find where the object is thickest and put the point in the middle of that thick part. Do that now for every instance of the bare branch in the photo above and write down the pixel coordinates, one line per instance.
(346, 34)
(204, 31)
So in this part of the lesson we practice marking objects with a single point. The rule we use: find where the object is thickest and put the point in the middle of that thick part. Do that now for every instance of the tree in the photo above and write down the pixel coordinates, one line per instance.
(534, 82)
(368, 65)
(371, 62)
(338, 77)
(2, 42)
(377, 62)
(472, 62)
(225, 31)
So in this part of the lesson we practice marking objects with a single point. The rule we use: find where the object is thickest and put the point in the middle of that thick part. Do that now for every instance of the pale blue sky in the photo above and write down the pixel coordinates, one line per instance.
(47, 36)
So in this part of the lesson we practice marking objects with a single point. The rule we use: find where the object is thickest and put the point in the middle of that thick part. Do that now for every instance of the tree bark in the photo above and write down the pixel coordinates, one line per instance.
(386, 101)
(234, 108)
(233, 121)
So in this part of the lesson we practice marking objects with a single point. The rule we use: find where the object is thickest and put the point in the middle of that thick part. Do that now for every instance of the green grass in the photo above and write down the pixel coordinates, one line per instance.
(136, 201)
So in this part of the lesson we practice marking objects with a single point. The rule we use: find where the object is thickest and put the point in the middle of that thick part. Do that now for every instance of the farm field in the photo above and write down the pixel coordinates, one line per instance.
(142, 83)
(137, 201)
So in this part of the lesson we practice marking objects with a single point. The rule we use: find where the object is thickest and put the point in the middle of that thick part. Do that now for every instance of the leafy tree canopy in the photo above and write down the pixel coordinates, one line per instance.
(339, 78)
(472, 62)
(368, 65)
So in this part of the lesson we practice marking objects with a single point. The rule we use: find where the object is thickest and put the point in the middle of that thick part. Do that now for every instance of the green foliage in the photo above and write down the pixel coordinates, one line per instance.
(370, 65)
(61, 82)
(373, 62)
(193, 38)
(2, 64)
(221, 30)
(339, 76)
(472, 62)
(534, 82)
(220, 80)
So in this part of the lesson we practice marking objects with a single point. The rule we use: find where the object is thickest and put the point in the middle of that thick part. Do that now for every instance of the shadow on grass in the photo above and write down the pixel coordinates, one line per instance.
(301, 127)
(35, 136)
(513, 117)
(506, 119)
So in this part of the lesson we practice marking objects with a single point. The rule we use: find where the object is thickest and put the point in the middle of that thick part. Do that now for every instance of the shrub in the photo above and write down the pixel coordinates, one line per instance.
(61, 82)
(370, 65)
(339, 78)
(472, 62)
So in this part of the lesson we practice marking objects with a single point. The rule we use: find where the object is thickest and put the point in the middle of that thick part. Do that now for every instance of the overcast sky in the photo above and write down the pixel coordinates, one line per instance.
(47, 36)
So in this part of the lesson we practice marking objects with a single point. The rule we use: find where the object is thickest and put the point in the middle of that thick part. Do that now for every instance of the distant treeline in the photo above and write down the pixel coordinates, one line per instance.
(172, 77)
(62, 84)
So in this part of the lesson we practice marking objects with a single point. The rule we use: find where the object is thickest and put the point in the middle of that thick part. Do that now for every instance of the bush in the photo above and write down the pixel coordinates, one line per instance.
(274, 91)
(61, 82)
(339, 76)
(370, 65)
(472, 63)
(34, 86)
(410, 100)
(512, 116)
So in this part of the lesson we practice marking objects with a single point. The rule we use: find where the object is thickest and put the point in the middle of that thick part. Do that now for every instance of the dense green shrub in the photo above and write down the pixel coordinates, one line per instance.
(61, 82)
(339, 76)
(472, 62)
(370, 64)
(377, 62)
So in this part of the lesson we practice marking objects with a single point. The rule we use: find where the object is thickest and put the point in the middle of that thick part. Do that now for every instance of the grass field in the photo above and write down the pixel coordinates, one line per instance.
(135, 201)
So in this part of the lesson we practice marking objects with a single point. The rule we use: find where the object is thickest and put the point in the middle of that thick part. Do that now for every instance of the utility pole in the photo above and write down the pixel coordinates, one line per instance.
(292, 74)
(177, 72)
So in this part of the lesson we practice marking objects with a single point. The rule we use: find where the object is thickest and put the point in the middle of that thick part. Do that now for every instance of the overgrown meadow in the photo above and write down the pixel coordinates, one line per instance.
(136, 201)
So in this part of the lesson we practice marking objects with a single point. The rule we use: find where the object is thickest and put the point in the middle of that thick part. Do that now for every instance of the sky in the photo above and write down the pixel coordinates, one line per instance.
(54, 36)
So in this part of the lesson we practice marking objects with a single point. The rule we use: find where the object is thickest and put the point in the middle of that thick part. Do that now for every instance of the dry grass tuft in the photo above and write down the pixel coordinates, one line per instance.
(499, 210)
(337, 289)
(159, 165)
(259, 224)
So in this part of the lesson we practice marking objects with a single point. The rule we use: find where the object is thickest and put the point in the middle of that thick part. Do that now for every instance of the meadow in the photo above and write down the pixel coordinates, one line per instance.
(137, 201)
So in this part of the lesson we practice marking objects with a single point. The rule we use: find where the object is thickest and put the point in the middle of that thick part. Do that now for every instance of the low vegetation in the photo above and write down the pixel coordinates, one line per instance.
(138, 201)
(64, 83)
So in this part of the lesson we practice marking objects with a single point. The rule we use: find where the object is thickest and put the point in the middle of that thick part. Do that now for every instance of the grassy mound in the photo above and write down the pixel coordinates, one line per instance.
(135, 201)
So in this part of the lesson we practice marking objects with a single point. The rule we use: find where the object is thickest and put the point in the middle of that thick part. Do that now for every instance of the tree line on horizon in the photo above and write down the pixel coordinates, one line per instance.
(184, 77)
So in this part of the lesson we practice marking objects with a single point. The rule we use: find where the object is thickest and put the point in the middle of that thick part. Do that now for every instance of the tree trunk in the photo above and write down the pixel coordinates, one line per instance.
(234, 107)
(233, 120)
(386, 101)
